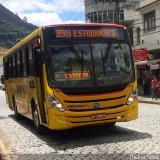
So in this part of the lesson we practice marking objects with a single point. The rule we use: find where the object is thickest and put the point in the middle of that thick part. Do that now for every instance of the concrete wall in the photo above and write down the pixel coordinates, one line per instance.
(146, 2)
(151, 39)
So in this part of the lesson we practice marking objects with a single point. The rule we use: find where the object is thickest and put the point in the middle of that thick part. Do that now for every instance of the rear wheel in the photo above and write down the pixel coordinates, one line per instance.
(36, 121)
(17, 115)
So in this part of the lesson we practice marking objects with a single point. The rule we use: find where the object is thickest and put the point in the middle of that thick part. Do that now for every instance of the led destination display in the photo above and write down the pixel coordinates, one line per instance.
(84, 32)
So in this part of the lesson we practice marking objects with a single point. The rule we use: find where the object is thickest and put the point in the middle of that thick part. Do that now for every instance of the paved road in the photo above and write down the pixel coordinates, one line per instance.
(132, 140)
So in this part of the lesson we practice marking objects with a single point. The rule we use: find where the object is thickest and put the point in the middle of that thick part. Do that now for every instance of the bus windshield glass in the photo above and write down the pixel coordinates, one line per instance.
(89, 65)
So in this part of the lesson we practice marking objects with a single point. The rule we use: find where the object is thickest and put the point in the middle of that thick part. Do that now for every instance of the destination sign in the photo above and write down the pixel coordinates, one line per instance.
(84, 32)
(81, 33)
(74, 75)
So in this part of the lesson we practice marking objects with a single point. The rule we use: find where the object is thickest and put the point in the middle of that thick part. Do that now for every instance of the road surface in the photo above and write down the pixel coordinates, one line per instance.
(131, 140)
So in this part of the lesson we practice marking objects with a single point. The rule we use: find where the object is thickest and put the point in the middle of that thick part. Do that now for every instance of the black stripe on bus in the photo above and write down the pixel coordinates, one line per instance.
(98, 100)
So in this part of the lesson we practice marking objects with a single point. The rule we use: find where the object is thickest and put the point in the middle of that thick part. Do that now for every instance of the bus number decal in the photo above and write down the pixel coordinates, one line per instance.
(63, 33)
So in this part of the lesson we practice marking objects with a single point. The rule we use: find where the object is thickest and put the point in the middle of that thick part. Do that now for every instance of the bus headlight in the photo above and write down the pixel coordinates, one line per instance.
(55, 103)
(133, 97)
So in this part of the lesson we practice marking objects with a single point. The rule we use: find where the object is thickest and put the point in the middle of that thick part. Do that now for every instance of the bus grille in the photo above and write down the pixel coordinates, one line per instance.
(92, 109)
(97, 100)
(93, 101)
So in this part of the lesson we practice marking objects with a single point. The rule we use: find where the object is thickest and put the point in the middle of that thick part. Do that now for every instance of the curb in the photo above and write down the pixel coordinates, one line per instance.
(148, 102)
(3, 151)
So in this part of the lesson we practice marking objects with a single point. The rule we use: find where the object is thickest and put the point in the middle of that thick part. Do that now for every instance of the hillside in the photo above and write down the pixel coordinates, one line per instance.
(12, 28)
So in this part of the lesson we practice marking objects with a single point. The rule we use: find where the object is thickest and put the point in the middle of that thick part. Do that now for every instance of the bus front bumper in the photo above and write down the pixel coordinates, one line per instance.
(66, 120)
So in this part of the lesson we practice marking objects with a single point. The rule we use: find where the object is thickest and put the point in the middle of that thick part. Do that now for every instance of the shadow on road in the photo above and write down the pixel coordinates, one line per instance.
(84, 136)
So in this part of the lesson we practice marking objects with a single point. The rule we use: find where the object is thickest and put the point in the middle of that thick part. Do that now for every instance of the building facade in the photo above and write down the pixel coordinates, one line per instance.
(145, 23)
(108, 11)
(146, 26)
(103, 11)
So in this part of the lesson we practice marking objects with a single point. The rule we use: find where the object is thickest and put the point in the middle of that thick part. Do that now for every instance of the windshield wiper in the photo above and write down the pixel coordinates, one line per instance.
(74, 51)
(82, 60)
(106, 54)
(77, 55)
(103, 62)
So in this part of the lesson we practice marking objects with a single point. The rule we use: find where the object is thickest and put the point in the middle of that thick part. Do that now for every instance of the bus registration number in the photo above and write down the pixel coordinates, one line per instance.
(97, 116)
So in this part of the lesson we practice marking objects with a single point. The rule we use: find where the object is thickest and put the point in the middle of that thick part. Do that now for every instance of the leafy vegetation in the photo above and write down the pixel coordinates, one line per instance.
(12, 28)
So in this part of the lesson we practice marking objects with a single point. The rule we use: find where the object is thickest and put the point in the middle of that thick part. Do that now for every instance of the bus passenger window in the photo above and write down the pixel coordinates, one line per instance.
(21, 64)
(18, 65)
(6, 68)
(14, 66)
(31, 60)
(37, 61)
(10, 67)
(24, 63)
(27, 60)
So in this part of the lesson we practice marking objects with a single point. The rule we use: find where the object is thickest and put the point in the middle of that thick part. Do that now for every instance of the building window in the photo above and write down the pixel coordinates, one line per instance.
(138, 35)
(99, 17)
(149, 21)
(121, 15)
(104, 16)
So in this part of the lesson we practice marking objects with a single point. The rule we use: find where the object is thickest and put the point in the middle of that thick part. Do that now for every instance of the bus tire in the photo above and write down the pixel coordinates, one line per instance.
(36, 121)
(17, 115)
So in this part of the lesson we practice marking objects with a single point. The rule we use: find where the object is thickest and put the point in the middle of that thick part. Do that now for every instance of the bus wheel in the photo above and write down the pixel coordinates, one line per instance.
(36, 121)
(17, 115)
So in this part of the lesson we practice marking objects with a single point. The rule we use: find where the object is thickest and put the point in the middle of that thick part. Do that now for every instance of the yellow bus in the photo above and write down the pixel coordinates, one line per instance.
(71, 75)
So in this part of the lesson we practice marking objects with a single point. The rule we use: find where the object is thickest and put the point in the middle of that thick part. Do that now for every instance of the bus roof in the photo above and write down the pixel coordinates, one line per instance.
(23, 41)
(87, 24)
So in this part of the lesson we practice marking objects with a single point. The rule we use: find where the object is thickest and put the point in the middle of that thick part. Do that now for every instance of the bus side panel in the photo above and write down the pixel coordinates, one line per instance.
(23, 92)
(8, 94)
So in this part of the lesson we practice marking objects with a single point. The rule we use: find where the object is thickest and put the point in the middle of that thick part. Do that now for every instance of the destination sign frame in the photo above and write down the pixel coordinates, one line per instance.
(84, 32)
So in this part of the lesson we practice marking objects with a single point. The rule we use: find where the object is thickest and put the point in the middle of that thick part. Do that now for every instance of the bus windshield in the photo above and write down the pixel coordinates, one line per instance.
(89, 65)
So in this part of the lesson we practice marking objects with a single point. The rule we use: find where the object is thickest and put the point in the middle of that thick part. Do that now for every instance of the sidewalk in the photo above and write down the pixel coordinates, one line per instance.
(148, 99)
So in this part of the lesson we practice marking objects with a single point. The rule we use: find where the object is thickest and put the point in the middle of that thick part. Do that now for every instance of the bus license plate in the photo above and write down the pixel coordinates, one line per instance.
(97, 116)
